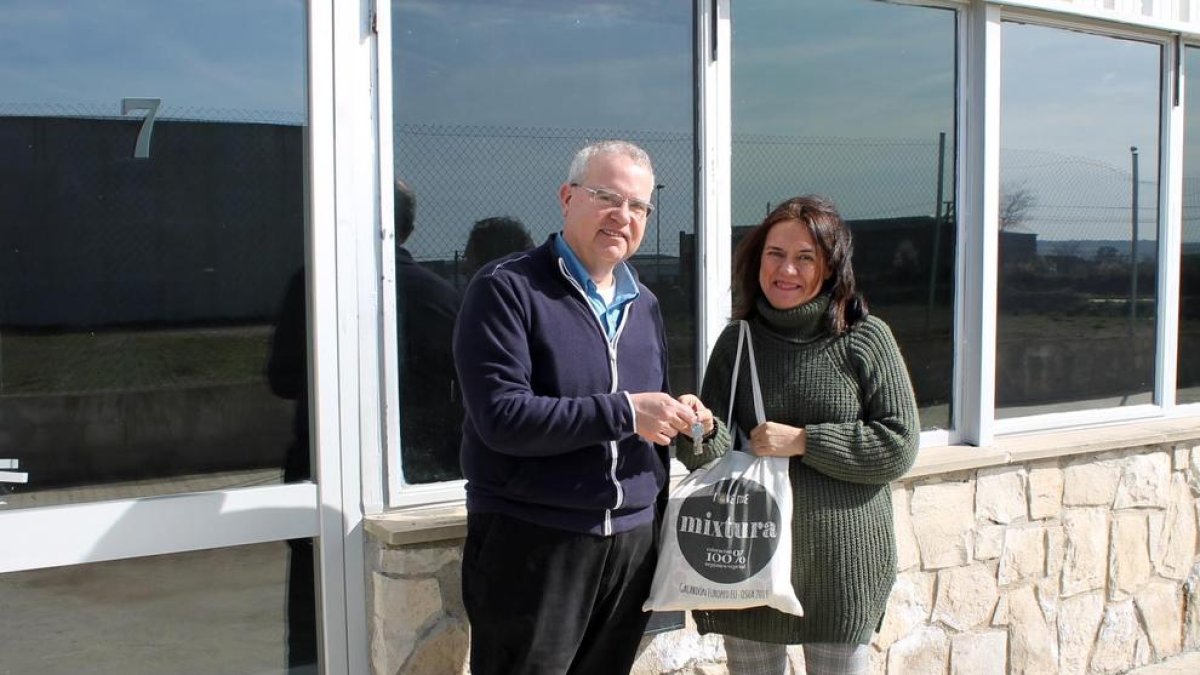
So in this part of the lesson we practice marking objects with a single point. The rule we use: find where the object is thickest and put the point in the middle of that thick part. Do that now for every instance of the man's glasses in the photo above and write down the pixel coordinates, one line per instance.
(612, 200)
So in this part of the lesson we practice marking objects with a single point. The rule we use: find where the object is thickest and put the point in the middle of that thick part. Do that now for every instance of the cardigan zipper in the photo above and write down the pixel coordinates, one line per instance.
(612, 368)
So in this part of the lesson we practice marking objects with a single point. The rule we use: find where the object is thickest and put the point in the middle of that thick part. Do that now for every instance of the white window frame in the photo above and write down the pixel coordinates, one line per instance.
(90, 532)
(1167, 200)
(714, 137)
(1170, 231)
(382, 471)
(330, 513)
(383, 481)
(977, 187)
(343, 340)
(1126, 12)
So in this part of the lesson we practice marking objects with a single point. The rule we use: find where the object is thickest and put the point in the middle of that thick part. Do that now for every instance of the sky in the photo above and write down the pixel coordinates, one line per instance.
(842, 97)
(206, 59)
(1072, 107)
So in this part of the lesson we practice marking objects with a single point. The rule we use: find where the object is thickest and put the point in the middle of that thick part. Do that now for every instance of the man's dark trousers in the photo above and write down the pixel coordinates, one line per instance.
(543, 601)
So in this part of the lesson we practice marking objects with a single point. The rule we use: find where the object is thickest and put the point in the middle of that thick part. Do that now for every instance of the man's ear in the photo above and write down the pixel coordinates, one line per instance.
(564, 197)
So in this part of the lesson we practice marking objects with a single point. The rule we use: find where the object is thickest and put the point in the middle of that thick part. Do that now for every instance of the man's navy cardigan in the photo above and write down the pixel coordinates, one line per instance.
(549, 432)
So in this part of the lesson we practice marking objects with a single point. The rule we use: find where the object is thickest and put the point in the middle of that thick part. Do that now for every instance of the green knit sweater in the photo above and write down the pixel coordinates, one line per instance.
(854, 399)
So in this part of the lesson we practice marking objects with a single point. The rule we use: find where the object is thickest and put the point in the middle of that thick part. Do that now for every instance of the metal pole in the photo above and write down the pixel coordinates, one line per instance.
(937, 232)
(1133, 242)
(658, 234)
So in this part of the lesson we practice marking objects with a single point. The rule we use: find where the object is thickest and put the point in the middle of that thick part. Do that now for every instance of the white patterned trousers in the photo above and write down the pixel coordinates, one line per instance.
(750, 657)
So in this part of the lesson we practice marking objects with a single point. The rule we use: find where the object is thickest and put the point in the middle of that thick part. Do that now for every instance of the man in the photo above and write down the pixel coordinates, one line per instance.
(493, 238)
(562, 359)
(426, 308)
(426, 305)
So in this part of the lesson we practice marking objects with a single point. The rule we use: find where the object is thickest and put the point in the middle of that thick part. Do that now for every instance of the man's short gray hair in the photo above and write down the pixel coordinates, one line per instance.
(600, 148)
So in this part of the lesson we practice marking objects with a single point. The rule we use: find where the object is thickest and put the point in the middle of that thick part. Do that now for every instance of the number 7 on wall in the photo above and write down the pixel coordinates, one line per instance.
(150, 105)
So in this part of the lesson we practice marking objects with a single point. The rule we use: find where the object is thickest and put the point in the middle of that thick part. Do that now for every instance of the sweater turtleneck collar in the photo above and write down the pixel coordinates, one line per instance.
(804, 323)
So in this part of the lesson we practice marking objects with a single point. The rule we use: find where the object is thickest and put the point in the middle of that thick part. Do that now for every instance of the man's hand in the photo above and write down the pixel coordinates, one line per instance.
(660, 417)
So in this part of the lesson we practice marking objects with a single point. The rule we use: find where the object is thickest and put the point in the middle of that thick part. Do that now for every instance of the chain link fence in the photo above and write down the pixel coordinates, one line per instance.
(464, 174)
(1077, 205)
(869, 178)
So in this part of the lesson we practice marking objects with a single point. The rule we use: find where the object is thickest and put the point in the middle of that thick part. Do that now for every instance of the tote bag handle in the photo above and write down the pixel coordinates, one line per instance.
(745, 337)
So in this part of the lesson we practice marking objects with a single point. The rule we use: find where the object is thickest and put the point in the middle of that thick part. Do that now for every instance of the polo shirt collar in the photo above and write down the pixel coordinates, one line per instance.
(627, 288)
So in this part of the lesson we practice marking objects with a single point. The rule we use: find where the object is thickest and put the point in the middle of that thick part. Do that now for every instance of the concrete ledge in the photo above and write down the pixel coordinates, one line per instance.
(950, 458)
(419, 525)
(449, 521)
(1023, 448)
(1045, 445)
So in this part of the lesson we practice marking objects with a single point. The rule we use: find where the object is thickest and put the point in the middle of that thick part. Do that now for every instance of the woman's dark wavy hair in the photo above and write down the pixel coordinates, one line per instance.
(846, 307)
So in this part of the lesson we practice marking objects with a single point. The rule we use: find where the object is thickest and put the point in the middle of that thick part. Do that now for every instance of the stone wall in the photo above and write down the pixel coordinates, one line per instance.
(1081, 564)
(416, 622)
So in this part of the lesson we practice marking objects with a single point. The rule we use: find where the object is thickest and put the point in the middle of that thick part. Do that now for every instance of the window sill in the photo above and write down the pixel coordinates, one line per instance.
(418, 525)
(1017, 448)
(422, 525)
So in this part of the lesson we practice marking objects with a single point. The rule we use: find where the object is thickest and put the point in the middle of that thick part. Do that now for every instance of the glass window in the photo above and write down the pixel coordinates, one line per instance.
(856, 101)
(152, 200)
(1078, 221)
(491, 101)
(245, 609)
(1188, 376)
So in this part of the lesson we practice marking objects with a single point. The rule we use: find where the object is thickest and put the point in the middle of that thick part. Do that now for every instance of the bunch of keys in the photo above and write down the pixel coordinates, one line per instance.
(697, 437)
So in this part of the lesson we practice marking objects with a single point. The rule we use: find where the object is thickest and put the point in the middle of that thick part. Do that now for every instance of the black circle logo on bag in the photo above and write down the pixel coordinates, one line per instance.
(729, 530)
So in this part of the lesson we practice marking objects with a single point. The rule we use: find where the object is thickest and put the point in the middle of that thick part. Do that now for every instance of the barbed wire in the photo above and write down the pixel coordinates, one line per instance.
(549, 133)
(112, 111)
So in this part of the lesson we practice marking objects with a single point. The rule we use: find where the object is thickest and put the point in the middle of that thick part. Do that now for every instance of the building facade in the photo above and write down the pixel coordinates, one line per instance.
(227, 415)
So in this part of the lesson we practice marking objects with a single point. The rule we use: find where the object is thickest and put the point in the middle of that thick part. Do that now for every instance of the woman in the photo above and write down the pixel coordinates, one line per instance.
(839, 403)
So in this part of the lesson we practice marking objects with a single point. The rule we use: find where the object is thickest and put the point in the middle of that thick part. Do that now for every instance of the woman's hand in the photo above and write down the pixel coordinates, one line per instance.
(772, 439)
(702, 413)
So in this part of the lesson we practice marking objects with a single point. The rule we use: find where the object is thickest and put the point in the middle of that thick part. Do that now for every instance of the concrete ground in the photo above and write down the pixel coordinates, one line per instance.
(1184, 664)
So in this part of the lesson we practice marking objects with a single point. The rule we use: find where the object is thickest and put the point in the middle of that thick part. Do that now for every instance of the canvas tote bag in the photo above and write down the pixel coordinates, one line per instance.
(727, 536)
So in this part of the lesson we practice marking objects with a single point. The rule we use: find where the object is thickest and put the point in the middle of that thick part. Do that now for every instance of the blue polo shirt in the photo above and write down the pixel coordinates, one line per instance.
(609, 314)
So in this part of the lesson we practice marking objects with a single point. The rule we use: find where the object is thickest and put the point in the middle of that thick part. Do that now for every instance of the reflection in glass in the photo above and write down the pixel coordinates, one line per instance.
(1078, 221)
(152, 201)
(214, 611)
(854, 100)
(1188, 376)
(471, 151)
